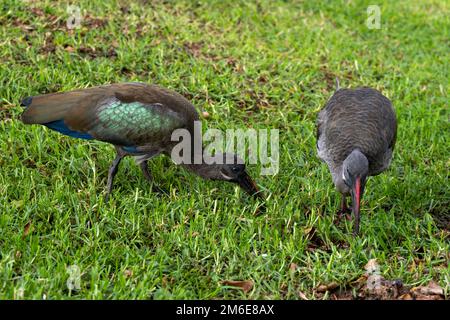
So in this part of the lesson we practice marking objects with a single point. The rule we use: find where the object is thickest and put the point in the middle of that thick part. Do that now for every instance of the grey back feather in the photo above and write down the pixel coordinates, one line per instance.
(361, 119)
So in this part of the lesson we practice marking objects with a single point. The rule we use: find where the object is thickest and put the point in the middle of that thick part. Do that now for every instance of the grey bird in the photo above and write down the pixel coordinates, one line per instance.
(138, 119)
(356, 134)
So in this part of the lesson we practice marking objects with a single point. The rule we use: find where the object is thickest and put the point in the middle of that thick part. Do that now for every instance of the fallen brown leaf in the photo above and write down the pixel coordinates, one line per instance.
(327, 287)
(245, 285)
(302, 296)
(427, 297)
(293, 266)
(94, 22)
(405, 296)
(37, 12)
(22, 25)
(92, 52)
(361, 281)
(431, 289)
(26, 229)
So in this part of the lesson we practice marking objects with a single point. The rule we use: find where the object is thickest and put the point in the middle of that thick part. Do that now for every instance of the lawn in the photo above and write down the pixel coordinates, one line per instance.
(256, 64)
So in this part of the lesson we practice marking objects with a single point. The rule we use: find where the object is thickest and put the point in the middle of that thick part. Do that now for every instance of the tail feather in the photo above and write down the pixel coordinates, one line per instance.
(49, 107)
(337, 84)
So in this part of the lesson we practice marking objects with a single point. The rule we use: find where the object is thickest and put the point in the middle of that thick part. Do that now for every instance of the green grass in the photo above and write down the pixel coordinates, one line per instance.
(249, 64)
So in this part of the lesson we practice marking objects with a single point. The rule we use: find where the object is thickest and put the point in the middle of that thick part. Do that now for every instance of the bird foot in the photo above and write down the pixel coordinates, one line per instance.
(347, 213)
(348, 216)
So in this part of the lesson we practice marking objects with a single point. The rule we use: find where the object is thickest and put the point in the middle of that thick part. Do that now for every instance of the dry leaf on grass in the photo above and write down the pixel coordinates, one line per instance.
(405, 296)
(431, 289)
(245, 285)
(428, 297)
(327, 287)
(293, 267)
(26, 229)
(302, 296)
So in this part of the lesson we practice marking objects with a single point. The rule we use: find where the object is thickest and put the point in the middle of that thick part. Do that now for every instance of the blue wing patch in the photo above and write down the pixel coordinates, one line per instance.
(61, 127)
(131, 149)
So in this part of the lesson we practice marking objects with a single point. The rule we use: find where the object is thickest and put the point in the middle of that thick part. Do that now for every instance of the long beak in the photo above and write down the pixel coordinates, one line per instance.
(247, 183)
(356, 199)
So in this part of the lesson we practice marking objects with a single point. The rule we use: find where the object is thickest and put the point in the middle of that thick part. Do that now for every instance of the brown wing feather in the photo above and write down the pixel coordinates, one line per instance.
(54, 106)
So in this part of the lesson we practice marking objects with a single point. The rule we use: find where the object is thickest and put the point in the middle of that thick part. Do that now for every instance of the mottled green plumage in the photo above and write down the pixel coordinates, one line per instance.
(121, 116)
(134, 119)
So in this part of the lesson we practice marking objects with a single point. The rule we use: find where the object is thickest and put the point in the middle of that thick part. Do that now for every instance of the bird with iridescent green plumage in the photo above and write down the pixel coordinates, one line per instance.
(137, 118)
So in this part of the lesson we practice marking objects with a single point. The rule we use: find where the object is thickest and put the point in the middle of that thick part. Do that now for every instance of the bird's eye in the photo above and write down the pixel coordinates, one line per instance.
(235, 169)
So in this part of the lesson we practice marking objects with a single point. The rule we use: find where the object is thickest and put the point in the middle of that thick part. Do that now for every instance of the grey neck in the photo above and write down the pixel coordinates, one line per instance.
(204, 170)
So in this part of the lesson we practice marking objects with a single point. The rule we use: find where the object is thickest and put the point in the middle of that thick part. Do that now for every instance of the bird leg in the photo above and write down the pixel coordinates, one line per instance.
(149, 177)
(344, 211)
(111, 173)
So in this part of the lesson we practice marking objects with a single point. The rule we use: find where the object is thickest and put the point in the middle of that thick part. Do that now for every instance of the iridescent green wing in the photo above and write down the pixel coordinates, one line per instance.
(134, 123)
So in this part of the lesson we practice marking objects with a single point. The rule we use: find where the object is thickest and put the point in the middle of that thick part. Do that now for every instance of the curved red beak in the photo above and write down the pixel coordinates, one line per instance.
(356, 199)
